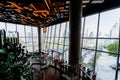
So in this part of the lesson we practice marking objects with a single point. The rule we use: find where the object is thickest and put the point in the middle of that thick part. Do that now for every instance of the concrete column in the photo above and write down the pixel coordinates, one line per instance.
(75, 15)
(39, 39)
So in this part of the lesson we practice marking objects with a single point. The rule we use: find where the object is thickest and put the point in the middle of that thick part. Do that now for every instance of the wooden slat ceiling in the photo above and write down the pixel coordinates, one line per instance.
(47, 12)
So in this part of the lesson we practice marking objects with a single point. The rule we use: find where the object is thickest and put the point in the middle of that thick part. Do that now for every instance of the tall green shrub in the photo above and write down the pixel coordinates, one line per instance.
(112, 48)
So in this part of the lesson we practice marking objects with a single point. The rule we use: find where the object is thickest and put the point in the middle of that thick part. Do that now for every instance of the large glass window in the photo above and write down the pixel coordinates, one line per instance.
(100, 37)
(42, 39)
(89, 39)
(103, 44)
(11, 30)
(62, 33)
(105, 66)
(53, 31)
(67, 31)
(2, 25)
(52, 37)
(57, 30)
(66, 54)
(49, 37)
(91, 26)
(88, 57)
(21, 31)
(46, 39)
(28, 31)
(35, 38)
(56, 38)
(108, 43)
(109, 24)
(35, 32)
(29, 38)
(100, 43)
(67, 35)
(35, 43)
(11, 27)
(89, 43)
(82, 27)
(22, 41)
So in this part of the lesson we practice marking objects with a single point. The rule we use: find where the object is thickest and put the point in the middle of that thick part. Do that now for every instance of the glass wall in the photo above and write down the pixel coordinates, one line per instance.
(28, 36)
(57, 38)
(21, 31)
(2, 25)
(100, 39)
(35, 38)
(108, 39)
(100, 43)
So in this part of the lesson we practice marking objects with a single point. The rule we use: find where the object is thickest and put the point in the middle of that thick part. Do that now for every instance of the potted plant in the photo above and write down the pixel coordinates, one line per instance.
(14, 63)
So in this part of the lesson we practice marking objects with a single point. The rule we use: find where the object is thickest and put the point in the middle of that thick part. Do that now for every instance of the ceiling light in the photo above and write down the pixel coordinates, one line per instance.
(44, 29)
(94, 1)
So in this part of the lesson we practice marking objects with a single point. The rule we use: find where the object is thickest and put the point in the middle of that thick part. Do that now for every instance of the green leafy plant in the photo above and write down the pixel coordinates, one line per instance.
(113, 47)
(14, 63)
(92, 59)
(119, 64)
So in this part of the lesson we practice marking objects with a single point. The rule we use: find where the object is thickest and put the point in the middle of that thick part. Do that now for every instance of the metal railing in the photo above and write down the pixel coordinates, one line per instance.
(76, 73)
(72, 72)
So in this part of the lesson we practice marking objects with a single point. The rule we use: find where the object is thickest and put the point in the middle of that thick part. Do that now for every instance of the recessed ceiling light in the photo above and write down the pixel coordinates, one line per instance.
(67, 2)
(66, 6)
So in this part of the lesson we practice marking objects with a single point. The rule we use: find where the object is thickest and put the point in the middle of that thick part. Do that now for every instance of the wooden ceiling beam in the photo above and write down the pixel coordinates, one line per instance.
(33, 6)
(15, 5)
(48, 4)
(40, 11)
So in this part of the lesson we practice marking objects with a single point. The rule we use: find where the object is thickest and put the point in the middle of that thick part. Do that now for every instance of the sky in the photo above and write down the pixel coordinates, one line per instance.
(107, 20)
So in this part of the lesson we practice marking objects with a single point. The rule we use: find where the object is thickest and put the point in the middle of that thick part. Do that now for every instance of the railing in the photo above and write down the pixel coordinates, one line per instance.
(54, 51)
(58, 54)
(76, 73)
(71, 72)
(86, 74)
